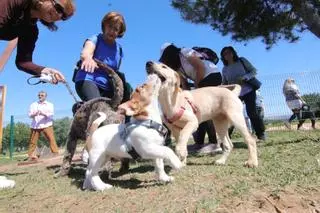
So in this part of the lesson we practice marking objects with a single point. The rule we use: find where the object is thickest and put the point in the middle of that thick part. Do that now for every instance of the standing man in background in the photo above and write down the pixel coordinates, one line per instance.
(41, 113)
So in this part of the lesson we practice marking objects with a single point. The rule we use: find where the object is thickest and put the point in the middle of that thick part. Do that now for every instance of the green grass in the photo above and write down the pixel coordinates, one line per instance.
(289, 164)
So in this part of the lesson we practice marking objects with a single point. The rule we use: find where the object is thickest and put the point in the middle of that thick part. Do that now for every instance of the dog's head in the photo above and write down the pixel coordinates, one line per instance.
(142, 97)
(169, 78)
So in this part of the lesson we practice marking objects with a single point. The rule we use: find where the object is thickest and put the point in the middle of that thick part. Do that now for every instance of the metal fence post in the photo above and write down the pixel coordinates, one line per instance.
(11, 137)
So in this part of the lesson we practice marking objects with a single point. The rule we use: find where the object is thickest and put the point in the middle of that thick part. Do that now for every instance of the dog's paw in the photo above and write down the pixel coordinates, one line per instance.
(184, 162)
(251, 164)
(166, 178)
(182, 152)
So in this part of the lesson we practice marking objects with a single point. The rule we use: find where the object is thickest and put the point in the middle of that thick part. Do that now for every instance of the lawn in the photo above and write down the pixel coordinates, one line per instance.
(287, 180)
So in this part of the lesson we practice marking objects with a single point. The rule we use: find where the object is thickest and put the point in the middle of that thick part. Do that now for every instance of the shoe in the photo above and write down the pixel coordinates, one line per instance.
(194, 147)
(5, 183)
(287, 124)
(33, 158)
(261, 138)
(210, 149)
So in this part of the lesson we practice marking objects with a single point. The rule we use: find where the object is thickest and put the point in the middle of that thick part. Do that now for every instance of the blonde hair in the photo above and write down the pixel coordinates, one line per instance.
(114, 18)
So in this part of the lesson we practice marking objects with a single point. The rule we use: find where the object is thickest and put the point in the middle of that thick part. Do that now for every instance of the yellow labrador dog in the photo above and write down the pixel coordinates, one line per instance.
(185, 110)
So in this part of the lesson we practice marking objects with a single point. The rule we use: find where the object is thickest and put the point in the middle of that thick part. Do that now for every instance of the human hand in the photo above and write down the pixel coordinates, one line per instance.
(52, 76)
(89, 65)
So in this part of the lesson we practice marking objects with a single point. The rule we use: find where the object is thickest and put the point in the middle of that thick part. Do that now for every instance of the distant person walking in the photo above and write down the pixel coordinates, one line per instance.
(297, 105)
(41, 112)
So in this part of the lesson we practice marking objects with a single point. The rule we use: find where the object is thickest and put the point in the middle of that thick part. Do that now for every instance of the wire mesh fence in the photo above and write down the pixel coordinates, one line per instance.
(276, 112)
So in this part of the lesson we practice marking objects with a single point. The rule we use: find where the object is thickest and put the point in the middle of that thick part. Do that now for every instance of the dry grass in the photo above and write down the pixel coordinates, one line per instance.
(287, 180)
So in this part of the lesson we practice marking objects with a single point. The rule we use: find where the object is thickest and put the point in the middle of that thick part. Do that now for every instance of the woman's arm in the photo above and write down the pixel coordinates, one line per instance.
(198, 67)
(88, 64)
(26, 45)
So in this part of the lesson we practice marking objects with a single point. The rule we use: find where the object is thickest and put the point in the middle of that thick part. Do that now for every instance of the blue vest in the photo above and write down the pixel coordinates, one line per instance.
(108, 54)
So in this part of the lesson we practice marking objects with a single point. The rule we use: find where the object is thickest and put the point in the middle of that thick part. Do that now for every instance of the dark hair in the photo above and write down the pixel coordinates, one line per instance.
(51, 26)
(68, 10)
(234, 53)
(171, 57)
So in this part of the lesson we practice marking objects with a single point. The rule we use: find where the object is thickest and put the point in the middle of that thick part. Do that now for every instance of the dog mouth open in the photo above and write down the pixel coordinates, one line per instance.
(150, 70)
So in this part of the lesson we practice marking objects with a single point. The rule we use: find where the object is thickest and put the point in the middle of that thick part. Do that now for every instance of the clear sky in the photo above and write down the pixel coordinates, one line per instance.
(149, 25)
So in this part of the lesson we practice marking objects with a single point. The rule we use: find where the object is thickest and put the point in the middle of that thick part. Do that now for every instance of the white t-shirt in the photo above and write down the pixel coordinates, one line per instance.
(189, 70)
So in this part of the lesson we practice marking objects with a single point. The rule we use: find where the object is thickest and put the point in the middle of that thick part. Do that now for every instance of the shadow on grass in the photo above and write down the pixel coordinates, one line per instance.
(77, 175)
(281, 143)
(12, 174)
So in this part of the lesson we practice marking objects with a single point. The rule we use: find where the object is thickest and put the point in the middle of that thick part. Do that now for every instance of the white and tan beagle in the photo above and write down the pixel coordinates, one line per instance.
(142, 137)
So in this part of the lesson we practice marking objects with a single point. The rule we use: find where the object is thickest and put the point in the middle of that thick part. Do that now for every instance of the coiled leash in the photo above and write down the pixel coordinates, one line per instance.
(45, 78)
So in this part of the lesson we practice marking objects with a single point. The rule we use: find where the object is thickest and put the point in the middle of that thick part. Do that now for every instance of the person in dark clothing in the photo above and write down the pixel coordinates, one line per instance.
(18, 19)
(238, 70)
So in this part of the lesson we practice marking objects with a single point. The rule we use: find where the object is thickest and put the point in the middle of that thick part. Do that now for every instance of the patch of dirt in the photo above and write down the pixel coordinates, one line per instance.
(286, 201)
(45, 162)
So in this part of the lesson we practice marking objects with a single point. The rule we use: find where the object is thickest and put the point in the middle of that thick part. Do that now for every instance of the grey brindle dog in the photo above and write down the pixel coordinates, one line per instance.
(87, 113)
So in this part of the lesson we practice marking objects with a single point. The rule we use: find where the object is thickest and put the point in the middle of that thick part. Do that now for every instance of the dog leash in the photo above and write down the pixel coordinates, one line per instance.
(30, 82)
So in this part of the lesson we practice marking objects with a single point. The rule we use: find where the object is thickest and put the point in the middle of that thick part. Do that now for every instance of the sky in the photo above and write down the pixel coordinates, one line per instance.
(149, 25)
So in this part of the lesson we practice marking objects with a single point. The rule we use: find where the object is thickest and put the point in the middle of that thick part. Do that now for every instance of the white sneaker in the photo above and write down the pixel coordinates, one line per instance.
(5, 183)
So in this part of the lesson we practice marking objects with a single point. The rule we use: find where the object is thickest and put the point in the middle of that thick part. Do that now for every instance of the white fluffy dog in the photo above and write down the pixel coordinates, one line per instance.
(144, 134)
(184, 110)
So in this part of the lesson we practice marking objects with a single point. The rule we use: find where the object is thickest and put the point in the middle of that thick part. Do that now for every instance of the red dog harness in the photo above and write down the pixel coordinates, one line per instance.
(178, 114)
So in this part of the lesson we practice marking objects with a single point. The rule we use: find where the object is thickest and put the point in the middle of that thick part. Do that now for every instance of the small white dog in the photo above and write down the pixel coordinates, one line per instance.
(143, 136)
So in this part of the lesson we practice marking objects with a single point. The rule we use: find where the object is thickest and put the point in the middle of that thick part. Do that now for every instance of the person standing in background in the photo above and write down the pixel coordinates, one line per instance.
(238, 70)
(41, 112)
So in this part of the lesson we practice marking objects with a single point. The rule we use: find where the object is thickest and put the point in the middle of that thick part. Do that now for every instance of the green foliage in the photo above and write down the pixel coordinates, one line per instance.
(248, 19)
(22, 134)
(61, 128)
(313, 100)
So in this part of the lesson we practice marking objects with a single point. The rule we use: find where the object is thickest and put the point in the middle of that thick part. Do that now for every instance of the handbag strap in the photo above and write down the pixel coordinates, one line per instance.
(244, 66)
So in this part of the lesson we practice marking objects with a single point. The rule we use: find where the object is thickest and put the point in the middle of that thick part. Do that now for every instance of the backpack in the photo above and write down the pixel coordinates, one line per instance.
(207, 54)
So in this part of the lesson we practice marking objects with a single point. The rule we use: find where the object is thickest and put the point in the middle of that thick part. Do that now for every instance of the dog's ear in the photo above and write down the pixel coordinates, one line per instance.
(178, 80)
(128, 108)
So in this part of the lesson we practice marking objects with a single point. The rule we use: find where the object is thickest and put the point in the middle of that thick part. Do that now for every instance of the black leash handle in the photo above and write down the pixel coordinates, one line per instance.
(32, 77)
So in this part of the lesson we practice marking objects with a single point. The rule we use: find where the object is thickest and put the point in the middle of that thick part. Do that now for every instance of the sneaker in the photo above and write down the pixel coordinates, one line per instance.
(261, 138)
(210, 149)
(33, 158)
(5, 183)
(194, 147)
(288, 125)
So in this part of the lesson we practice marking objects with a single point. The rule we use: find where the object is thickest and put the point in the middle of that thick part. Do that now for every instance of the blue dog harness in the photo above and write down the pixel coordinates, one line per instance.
(162, 130)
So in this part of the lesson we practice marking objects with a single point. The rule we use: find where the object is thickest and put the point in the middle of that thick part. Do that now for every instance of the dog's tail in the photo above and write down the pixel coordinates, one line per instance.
(235, 88)
(94, 126)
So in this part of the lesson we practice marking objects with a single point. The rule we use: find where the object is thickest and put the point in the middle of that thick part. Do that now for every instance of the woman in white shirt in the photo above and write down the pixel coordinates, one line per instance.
(192, 66)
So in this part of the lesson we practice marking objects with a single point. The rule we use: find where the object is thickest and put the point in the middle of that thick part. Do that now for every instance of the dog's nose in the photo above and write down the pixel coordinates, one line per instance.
(149, 64)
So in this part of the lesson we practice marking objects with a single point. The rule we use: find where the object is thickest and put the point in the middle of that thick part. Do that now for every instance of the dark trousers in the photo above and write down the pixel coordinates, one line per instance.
(214, 79)
(88, 90)
(251, 108)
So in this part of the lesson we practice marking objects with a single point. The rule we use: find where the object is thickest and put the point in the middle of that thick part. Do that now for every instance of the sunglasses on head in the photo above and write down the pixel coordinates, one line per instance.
(60, 9)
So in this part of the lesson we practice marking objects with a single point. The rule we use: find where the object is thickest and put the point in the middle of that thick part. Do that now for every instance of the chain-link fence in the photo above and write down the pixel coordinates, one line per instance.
(275, 108)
